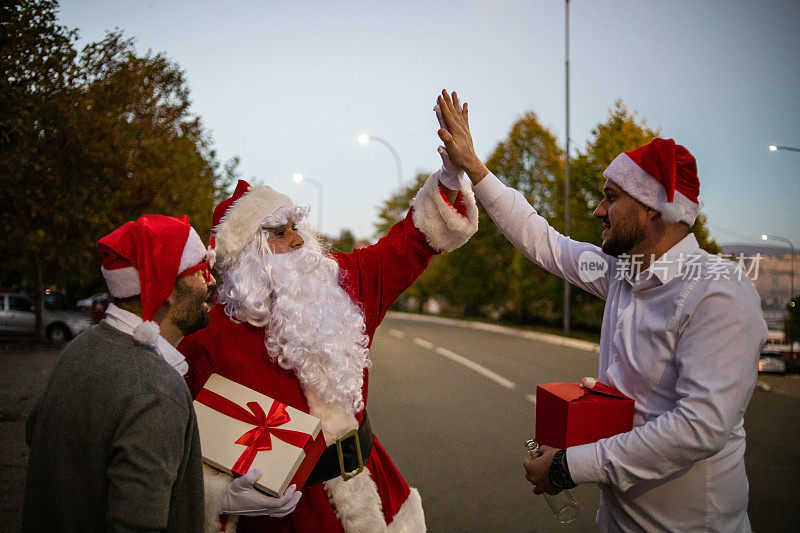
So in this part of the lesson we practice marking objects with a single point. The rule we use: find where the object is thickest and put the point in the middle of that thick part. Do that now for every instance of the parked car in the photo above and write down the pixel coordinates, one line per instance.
(18, 317)
(88, 303)
(771, 362)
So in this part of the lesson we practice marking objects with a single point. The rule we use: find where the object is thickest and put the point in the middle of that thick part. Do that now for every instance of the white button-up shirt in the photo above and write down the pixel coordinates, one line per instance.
(683, 340)
(125, 321)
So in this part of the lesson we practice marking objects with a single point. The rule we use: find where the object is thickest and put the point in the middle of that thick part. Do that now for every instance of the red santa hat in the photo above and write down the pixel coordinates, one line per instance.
(662, 175)
(145, 257)
(238, 219)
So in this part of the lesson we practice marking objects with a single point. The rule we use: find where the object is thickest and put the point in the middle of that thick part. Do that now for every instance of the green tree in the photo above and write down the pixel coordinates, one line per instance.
(93, 140)
(37, 57)
(345, 242)
(529, 160)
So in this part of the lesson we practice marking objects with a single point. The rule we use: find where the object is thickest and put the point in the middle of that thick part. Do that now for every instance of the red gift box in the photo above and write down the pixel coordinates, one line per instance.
(568, 414)
(241, 429)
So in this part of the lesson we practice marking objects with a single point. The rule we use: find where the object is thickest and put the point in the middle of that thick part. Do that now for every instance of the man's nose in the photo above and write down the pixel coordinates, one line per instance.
(297, 240)
(600, 210)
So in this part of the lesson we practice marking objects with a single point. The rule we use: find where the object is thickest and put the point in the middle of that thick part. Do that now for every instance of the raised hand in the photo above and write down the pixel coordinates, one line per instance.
(457, 138)
(450, 173)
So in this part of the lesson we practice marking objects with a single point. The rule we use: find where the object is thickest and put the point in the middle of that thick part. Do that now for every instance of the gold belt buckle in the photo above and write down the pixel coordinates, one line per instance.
(353, 433)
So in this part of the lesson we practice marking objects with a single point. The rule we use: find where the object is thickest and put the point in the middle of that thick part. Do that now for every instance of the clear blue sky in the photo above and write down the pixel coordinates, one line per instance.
(288, 86)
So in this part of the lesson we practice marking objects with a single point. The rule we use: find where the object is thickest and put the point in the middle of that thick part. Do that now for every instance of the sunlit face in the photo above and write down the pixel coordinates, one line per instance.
(284, 238)
(193, 294)
(623, 220)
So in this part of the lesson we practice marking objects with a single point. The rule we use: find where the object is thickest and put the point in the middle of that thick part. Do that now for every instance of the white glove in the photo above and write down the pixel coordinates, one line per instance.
(241, 498)
(450, 175)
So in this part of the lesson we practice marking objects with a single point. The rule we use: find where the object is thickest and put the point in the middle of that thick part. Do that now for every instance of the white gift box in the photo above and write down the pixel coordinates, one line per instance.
(283, 442)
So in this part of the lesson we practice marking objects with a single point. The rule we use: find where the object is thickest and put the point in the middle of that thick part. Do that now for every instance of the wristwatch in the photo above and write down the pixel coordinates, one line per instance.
(559, 472)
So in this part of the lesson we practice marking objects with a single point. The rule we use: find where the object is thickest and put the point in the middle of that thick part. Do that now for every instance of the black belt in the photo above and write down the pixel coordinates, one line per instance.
(345, 455)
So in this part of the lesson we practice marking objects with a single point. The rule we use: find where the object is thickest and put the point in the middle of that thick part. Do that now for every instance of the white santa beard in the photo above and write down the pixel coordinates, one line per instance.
(312, 326)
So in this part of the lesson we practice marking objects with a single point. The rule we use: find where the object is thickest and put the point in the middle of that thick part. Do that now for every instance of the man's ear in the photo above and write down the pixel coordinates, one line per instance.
(171, 298)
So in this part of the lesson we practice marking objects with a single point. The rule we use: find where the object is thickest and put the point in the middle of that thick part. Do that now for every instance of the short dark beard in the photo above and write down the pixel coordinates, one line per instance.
(623, 239)
(190, 315)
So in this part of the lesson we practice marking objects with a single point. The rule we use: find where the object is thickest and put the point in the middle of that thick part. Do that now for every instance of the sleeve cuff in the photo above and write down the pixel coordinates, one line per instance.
(215, 484)
(584, 466)
(445, 227)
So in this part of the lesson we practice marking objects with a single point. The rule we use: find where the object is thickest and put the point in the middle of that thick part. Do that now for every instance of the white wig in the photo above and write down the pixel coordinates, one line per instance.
(311, 325)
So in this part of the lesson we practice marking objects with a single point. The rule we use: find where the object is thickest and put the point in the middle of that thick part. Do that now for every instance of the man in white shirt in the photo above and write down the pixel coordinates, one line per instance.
(682, 332)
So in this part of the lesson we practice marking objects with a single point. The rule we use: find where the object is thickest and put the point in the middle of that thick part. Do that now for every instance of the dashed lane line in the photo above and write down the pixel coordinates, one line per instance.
(475, 367)
(422, 342)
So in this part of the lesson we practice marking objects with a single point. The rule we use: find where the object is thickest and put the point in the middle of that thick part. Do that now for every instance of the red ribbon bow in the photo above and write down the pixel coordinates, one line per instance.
(259, 438)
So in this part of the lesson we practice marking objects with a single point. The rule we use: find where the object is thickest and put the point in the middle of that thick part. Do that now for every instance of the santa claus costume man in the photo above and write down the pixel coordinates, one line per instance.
(296, 325)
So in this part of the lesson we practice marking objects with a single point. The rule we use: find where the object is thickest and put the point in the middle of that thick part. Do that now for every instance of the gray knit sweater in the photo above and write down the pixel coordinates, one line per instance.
(114, 443)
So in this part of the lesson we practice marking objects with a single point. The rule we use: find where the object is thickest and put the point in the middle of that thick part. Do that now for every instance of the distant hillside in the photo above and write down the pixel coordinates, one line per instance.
(736, 248)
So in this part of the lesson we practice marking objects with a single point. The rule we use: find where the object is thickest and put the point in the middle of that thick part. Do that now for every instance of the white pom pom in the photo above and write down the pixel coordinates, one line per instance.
(588, 383)
(212, 256)
(671, 212)
(146, 333)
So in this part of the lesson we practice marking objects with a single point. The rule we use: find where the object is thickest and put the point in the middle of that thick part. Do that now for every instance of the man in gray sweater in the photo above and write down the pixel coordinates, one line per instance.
(114, 442)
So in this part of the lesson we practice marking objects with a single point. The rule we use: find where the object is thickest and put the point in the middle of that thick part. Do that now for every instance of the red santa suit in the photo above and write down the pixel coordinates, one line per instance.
(377, 499)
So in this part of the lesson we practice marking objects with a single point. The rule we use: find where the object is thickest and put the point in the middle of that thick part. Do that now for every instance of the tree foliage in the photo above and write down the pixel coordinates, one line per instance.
(89, 141)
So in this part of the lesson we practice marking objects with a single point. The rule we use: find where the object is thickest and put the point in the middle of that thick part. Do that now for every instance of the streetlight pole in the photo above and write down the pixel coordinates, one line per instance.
(791, 277)
(299, 178)
(566, 159)
(364, 139)
(774, 148)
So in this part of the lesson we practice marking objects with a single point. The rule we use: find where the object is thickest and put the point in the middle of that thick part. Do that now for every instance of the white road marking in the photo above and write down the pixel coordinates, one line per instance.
(531, 398)
(543, 337)
(397, 333)
(422, 342)
(763, 386)
(482, 370)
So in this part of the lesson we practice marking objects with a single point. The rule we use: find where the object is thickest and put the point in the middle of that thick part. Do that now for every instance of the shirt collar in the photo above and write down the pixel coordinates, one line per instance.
(125, 321)
(669, 265)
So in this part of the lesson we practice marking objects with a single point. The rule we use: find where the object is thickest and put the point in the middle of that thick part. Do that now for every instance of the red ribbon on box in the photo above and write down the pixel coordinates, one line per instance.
(259, 438)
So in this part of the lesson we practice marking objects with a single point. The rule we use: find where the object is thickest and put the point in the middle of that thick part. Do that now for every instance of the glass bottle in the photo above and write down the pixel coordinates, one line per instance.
(565, 508)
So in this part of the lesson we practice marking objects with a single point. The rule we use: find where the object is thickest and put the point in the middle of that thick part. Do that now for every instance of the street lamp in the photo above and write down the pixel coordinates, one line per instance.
(566, 158)
(365, 139)
(299, 178)
(774, 148)
(791, 247)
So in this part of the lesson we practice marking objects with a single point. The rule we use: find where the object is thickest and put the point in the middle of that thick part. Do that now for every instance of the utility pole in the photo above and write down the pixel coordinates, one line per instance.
(566, 161)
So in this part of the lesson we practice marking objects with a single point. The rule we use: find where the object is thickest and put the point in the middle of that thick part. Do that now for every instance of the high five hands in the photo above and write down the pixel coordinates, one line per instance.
(457, 138)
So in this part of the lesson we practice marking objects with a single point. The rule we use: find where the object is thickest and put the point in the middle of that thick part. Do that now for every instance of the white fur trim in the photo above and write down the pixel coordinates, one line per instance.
(216, 483)
(193, 251)
(146, 333)
(635, 181)
(672, 212)
(357, 503)
(411, 517)
(244, 218)
(122, 282)
(445, 228)
(336, 420)
(212, 256)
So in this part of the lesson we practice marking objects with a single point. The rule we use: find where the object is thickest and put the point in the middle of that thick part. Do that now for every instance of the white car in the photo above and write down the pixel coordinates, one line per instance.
(17, 317)
(771, 362)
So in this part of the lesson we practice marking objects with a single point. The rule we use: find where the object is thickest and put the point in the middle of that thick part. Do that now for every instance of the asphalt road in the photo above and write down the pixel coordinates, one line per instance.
(452, 405)
(457, 434)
